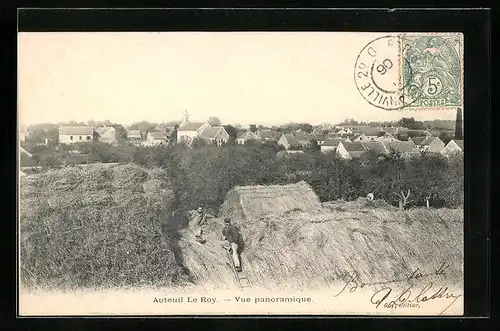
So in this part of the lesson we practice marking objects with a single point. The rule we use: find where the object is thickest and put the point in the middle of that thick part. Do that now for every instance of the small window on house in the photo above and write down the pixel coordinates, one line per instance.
(88, 137)
(70, 137)
(80, 137)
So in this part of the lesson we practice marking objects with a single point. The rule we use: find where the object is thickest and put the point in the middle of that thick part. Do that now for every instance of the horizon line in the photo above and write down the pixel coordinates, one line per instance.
(268, 124)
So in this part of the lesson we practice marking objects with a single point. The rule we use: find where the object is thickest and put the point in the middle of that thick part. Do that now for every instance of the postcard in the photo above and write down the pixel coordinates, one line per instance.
(240, 173)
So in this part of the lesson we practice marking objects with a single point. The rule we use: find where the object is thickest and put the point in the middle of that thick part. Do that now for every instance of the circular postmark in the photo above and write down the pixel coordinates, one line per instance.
(379, 76)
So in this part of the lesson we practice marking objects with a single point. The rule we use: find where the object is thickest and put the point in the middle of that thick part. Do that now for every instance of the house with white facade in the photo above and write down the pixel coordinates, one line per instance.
(267, 135)
(187, 131)
(364, 138)
(106, 134)
(453, 147)
(330, 145)
(378, 148)
(406, 148)
(76, 134)
(244, 137)
(156, 138)
(304, 139)
(387, 137)
(350, 150)
(343, 131)
(134, 136)
(289, 141)
(432, 144)
(216, 135)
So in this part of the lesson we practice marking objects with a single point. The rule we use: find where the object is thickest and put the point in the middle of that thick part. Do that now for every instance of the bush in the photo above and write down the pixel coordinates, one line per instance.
(151, 156)
(203, 175)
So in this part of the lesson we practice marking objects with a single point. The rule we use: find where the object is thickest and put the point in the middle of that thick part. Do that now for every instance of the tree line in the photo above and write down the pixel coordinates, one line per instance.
(204, 174)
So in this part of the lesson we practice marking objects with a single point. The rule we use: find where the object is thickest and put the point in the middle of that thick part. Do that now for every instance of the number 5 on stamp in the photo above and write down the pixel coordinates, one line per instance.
(433, 64)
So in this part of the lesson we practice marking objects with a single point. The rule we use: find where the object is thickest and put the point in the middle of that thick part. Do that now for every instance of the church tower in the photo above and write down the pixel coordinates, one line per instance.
(185, 117)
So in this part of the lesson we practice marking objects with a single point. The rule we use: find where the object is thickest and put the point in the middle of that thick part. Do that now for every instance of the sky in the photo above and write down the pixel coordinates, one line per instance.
(240, 77)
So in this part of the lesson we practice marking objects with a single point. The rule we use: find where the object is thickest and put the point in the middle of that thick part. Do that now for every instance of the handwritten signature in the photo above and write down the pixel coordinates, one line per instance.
(353, 282)
(406, 298)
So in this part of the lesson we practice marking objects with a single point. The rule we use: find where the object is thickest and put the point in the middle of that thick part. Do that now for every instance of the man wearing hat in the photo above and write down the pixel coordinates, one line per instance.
(197, 219)
(231, 236)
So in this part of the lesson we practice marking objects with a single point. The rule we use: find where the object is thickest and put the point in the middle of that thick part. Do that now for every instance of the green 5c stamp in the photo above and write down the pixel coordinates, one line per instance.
(432, 68)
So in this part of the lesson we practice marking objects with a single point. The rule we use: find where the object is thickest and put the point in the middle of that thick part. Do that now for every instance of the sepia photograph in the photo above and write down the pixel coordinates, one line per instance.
(240, 173)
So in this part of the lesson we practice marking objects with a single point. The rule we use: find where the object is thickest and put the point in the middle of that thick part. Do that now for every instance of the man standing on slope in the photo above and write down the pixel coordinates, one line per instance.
(196, 220)
(231, 238)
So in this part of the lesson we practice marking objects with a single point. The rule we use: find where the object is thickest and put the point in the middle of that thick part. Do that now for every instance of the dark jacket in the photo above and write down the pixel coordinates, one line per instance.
(231, 233)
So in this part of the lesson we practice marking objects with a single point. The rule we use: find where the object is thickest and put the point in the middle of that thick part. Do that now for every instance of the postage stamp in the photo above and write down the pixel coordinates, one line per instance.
(432, 68)
(412, 71)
